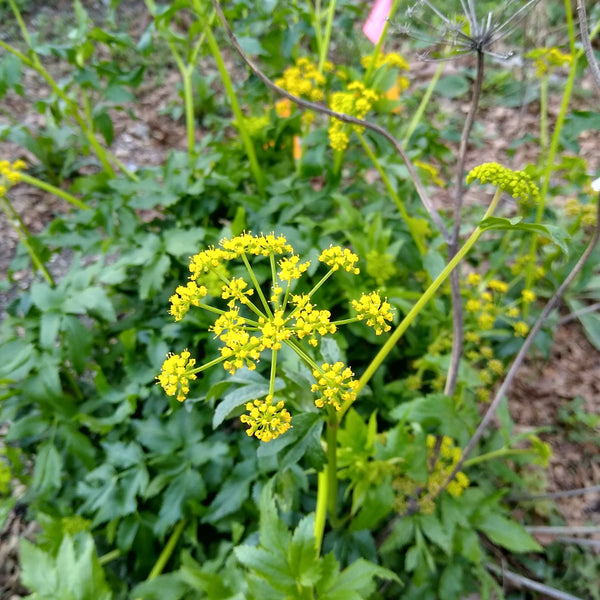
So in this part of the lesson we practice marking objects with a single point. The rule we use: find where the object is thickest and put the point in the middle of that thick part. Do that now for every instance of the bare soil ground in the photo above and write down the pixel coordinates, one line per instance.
(542, 386)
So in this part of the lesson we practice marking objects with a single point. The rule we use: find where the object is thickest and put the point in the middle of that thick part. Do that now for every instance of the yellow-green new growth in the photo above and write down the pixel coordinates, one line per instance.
(516, 183)
(254, 322)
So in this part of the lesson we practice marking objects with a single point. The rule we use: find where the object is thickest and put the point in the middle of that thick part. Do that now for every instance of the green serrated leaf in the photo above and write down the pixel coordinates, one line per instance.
(507, 533)
(556, 234)
(47, 470)
(302, 554)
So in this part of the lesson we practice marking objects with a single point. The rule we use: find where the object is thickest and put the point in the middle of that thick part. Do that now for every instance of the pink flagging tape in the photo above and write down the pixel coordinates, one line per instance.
(375, 22)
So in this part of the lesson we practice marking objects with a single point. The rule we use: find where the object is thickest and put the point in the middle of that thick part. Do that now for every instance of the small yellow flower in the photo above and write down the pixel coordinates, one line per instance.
(498, 286)
(175, 374)
(291, 269)
(283, 108)
(473, 337)
(335, 258)
(309, 322)
(486, 351)
(486, 321)
(335, 384)
(274, 330)
(521, 329)
(513, 312)
(184, 297)
(267, 420)
(473, 279)
(236, 290)
(207, 261)
(495, 366)
(240, 350)
(528, 296)
(374, 310)
(472, 305)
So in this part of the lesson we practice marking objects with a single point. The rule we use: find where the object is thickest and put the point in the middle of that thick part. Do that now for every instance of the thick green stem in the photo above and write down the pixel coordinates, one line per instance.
(235, 107)
(331, 468)
(392, 192)
(321, 508)
(416, 309)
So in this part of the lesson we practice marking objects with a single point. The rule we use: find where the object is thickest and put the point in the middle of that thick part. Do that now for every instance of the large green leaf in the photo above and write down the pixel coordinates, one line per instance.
(557, 234)
(507, 533)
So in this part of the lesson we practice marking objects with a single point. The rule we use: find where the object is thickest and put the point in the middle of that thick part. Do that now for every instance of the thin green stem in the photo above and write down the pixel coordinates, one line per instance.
(300, 352)
(205, 366)
(72, 109)
(25, 237)
(42, 185)
(500, 453)
(109, 556)
(315, 14)
(553, 149)
(273, 373)
(188, 97)
(165, 555)
(323, 50)
(257, 287)
(544, 117)
(422, 105)
(420, 244)
(235, 106)
(416, 309)
(21, 23)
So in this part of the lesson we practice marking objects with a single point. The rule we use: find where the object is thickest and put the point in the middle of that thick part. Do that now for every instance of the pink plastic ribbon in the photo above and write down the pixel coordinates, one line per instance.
(375, 22)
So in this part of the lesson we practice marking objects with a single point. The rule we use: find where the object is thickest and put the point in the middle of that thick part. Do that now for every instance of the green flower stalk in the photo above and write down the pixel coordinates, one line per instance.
(254, 321)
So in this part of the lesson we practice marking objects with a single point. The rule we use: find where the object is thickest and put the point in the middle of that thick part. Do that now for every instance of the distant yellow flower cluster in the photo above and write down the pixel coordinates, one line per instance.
(547, 60)
(587, 213)
(446, 456)
(259, 318)
(356, 101)
(10, 174)
(392, 59)
(305, 80)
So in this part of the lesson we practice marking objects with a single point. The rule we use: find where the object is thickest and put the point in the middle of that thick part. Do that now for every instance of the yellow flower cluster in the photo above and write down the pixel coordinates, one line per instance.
(336, 258)
(392, 59)
(335, 385)
(266, 325)
(267, 420)
(304, 79)
(375, 311)
(10, 174)
(446, 456)
(176, 373)
(548, 59)
(357, 102)
(516, 183)
(310, 321)
(184, 297)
